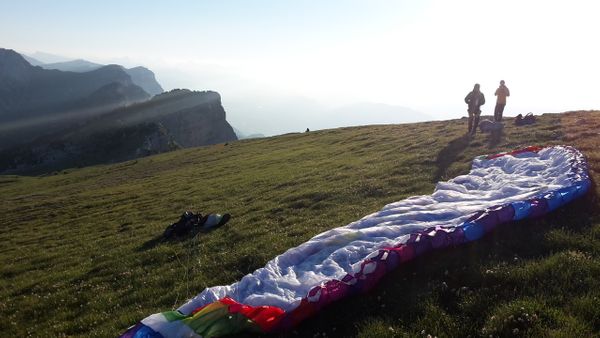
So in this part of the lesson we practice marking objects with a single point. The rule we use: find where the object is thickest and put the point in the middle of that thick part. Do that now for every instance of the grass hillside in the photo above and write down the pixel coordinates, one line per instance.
(81, 254)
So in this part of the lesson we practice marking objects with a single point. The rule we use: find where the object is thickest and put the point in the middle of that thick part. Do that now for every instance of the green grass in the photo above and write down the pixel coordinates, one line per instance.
(81, 254)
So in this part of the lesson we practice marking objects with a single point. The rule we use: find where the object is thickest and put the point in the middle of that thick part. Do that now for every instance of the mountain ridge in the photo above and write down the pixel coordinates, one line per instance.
(141, 76)
(169, 121)
(30, 91)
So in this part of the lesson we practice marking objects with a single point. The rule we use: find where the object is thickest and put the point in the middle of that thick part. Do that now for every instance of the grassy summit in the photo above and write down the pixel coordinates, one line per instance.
(81, 254)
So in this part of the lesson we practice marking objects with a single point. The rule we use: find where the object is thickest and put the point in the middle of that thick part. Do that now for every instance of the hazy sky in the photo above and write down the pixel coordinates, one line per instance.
(425, 55)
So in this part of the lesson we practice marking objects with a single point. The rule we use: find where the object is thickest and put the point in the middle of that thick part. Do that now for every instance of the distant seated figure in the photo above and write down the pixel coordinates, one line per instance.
(487, 126)
(307, 130)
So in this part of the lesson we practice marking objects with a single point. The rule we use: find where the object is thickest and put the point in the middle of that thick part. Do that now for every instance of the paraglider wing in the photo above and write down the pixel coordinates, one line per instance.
(499, 189)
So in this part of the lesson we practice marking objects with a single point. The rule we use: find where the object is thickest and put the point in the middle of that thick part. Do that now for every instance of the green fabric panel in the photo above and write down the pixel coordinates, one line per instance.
(220, 322)
(199, 323)
(231, 324)
(174, 315)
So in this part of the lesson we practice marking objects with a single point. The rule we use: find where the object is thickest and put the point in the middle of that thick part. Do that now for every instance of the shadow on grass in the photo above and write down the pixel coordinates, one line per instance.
(448, 155)
(158, 239)
(495, 138)
(149, 244)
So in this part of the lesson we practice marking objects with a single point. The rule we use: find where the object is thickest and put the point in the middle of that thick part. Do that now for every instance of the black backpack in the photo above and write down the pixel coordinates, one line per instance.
(186, 223)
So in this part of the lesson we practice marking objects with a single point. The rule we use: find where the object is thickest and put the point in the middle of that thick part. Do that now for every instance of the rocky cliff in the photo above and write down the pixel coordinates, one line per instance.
(177, 119)
(203, 123)
(145, 78)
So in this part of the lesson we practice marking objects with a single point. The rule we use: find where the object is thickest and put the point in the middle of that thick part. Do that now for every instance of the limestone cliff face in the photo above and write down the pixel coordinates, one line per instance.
(145, 78)
(156, 141)
(177, 119)
(200, 125)
(109, 147)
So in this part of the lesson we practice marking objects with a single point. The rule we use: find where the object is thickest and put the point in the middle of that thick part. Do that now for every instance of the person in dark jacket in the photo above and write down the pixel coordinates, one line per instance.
(501, 93)
(474, 100)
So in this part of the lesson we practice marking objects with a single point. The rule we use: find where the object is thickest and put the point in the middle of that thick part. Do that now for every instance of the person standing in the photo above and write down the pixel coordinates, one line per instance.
(501, 94)
(474, 100)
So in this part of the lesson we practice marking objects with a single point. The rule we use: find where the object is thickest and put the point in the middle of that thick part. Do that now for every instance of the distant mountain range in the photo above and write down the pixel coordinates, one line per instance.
(32, 61)
(43, 57)
(78, 66)
(31, 96)
(52, 119)
(140, 76)
(27, 91)
(242, 135)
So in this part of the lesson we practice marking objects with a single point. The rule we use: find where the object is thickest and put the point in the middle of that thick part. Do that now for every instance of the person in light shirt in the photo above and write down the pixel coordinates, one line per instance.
(501, 94)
